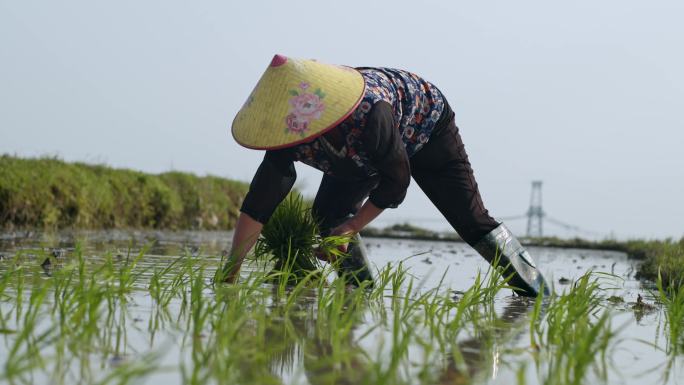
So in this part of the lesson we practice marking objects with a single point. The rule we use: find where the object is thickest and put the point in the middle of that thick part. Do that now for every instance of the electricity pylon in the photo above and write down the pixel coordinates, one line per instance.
(535, 214)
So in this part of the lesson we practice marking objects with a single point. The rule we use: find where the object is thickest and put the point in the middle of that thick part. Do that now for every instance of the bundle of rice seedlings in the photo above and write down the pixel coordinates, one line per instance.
(291, 240)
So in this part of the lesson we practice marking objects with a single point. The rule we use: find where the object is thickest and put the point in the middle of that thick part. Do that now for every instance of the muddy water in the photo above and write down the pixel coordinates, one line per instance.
(638, 356)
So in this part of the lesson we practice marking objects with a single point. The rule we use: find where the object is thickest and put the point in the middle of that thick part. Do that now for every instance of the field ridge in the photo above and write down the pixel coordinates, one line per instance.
(49, 193)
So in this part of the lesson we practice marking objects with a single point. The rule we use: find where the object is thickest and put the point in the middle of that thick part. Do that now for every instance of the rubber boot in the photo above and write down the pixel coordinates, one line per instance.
(526, 279)
(354, 267)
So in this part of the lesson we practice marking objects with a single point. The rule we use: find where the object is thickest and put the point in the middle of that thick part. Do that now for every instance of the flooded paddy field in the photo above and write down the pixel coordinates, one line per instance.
(141, 307)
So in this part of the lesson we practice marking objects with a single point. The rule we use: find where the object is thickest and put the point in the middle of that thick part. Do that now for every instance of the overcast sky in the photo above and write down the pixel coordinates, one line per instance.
(587, 96)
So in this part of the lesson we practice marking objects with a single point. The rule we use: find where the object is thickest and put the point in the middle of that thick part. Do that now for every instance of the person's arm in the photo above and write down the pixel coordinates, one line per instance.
(353, 225)
(383, 143)
(246, 233)
(271, 184)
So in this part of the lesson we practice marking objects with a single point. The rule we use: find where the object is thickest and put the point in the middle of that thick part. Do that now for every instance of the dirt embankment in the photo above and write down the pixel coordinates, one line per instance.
(48, 193)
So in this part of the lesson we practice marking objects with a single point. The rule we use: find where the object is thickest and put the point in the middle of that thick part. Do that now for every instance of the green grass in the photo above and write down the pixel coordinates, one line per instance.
(409, 231)
(672, 297)
(47, 193)
(664, 261)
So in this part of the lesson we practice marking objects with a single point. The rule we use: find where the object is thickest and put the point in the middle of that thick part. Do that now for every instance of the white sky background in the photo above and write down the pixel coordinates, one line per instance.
(587, 96)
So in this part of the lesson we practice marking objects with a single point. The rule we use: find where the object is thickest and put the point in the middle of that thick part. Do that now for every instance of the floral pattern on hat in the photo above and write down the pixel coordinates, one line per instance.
(305, 107)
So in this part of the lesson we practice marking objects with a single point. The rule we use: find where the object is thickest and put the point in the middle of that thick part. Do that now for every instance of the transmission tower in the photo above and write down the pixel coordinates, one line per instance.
(535, 214)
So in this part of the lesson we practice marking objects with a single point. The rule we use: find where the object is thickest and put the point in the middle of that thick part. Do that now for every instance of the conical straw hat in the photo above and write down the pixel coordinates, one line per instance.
(295, 101)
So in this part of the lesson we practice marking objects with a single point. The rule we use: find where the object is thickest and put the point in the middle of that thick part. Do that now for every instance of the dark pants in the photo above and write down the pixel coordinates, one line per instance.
(441, 169)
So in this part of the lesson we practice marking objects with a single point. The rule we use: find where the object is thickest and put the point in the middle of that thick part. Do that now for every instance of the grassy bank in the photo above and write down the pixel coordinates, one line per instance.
(49, 193)
(409, 231)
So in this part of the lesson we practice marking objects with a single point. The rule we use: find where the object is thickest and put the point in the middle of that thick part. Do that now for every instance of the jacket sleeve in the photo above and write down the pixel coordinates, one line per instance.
(271, 184)
(387, 152)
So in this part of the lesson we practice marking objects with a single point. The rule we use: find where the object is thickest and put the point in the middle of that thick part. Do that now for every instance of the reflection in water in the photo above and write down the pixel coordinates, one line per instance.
(309, 338)
(303, 339)
(479, 356)
(125, 241)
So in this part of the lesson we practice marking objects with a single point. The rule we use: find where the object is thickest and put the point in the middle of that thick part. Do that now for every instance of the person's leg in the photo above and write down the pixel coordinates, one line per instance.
(442, 170)
(337, 200)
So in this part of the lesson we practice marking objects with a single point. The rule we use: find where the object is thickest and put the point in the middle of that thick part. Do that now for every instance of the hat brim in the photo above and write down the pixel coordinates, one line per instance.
(295, 102)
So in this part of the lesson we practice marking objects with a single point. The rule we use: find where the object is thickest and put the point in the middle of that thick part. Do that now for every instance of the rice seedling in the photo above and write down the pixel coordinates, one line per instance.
(472, 312)
(109, 319)
(86, 314)
(291, 240)
(672, 297)
(236, 348)
(573, 334)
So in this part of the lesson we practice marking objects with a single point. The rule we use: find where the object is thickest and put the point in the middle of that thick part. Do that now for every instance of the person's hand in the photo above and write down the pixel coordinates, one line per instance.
(345, 228)
(325, 257)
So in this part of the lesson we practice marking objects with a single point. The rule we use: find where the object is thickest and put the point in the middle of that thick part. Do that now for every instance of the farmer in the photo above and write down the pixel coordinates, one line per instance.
(369, 130)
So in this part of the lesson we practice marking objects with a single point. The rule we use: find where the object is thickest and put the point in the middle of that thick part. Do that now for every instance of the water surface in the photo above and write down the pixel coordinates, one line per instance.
(299, 349)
